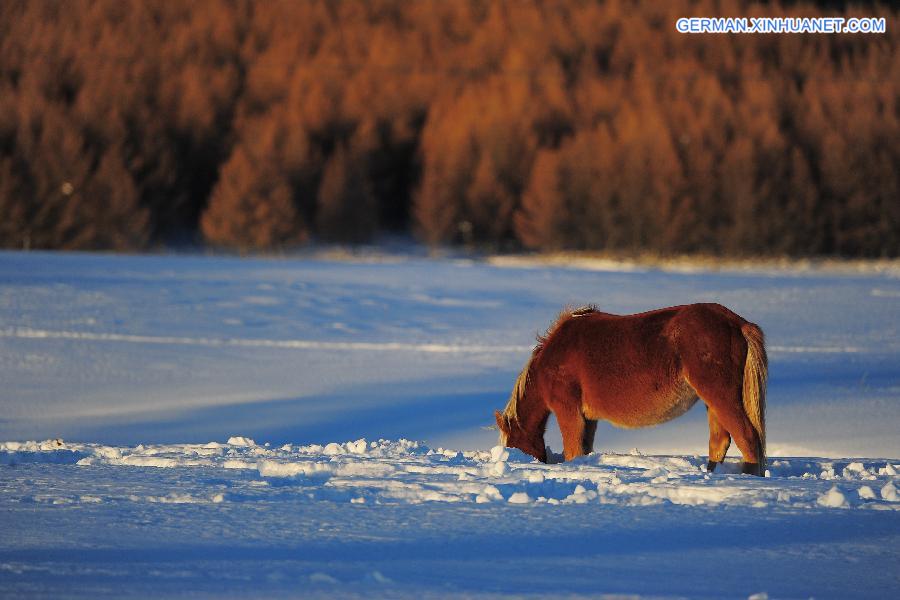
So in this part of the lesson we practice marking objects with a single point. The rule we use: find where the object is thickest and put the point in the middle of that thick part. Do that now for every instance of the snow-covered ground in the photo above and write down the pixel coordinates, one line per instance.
(141, 372)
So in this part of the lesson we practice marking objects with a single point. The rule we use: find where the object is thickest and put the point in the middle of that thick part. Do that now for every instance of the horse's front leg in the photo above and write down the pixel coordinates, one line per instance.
(572, 426)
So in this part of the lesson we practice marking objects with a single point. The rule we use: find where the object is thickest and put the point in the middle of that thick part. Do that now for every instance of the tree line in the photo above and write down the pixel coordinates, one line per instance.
(259, 125)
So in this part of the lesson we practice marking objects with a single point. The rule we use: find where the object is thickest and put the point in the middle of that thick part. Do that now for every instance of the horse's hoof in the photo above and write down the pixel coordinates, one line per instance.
(751, 469)
(711, 466)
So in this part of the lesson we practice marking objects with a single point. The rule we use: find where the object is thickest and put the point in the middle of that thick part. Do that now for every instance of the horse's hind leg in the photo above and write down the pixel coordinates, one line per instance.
(733, 418)
(590, 428)
(724, 400)
(719, 441)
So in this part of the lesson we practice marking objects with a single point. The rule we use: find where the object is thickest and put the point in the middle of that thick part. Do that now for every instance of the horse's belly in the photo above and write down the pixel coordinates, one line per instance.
(644, 409)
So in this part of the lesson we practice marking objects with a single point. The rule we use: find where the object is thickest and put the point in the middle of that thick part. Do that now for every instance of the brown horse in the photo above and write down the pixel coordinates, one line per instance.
(641, 370)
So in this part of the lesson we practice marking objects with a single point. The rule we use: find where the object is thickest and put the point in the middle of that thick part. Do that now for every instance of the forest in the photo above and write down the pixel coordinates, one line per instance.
(259, 126)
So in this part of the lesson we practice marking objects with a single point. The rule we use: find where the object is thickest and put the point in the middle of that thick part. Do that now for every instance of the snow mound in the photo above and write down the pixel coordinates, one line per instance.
(238, 441)
(49, 451)
(833, 498)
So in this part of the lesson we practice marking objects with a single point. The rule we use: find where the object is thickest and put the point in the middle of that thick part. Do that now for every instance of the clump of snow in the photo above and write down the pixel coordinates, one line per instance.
(357, 447)
(503, 454)
(154, 461)
(856, 470)
(488, 493)
(499, 454)
(519, 498)
(833, 498)
(496, 469)
(581, 495)
(361, 446)
(33, 446)
(332, 449)
(272, 468)
(828, 472)
(241, 441)
(889, 492)
(657, 475)
(866, 493)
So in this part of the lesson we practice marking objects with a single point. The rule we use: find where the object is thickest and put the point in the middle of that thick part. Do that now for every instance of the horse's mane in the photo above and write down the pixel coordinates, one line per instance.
(564, 315)
(511, 411)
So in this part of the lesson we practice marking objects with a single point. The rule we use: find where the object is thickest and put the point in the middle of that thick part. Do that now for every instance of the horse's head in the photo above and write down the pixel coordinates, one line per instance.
(513, 435)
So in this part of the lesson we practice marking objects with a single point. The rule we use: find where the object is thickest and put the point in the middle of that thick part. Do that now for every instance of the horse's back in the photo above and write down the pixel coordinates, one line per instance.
(705, 324)
(706, 331)
(630, 369)
(710, 335)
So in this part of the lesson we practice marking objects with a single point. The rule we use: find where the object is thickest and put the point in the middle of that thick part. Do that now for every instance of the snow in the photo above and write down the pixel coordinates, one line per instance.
(236, 441)
(833, 498)
(295, 499)
(215, 427)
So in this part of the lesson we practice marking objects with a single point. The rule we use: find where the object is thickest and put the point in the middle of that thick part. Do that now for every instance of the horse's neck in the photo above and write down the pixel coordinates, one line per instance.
(533, 412)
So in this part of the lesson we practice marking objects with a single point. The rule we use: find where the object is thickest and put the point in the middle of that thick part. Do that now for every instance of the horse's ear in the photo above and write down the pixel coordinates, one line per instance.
(501, 422)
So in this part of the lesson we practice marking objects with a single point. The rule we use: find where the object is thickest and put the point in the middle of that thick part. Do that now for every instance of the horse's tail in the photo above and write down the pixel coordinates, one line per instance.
(756, 372)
